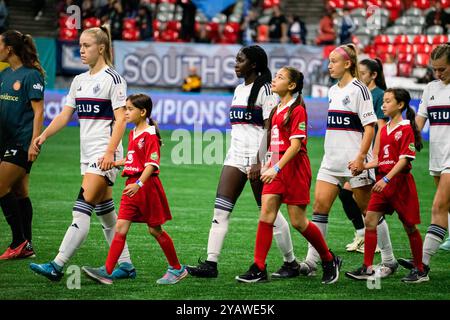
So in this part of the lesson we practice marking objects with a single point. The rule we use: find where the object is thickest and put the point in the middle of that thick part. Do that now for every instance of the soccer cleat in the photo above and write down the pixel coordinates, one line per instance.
(331, 269)
(362, 273)
(173, 276)
(306, 269)
(287, 270)
(416, 276)
(125, 270)
(204, 269)
(49, 270)
(384, 270)
(254, 274)
(355, 244)
(446, 245)
(13, 253)
(98, 274)
(27, 252)
(406, 263)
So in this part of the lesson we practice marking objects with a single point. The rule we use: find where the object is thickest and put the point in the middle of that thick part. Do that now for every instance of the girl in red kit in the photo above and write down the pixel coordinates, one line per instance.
(395, 188)
(287, 178)
(143, 199)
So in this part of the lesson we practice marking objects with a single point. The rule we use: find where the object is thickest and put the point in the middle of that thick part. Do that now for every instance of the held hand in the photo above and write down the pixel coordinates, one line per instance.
(268, 175)
(131, 189)
(265, 167)
(107, 161)
(379, 186)
(32, 153)
(254, 171)
(37, 143)
(356, 166)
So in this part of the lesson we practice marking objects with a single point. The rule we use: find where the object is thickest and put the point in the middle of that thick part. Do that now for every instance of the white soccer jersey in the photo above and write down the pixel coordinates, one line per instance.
(350, 109)
(435, 106)
(95, 97)
(247, 127)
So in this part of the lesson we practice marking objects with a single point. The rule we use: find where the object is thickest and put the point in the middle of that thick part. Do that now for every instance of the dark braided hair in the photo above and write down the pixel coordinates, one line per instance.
(255, 54)
(375, 65)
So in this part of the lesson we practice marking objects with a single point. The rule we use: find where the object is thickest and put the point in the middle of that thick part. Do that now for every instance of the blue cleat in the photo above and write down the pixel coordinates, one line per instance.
(50, 270)
(98, 274)
(125, 270)
(173, 276)
(446, 245)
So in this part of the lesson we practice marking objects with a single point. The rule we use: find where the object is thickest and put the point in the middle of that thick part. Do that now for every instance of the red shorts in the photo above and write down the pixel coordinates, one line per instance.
(399, 195)
(293, 182)
(148, 205)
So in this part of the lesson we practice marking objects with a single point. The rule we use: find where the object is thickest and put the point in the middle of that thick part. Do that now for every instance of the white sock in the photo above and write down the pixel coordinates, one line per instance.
(76, 233)
(384, 242)
(219, 228)
(282, 236)
(433, 239)
(321, 221)
(108, 218)
(361, 232)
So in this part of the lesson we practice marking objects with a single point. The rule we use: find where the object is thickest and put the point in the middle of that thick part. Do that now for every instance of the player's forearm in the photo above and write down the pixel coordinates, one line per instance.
(420, 122)
(59, 122)
(117, 134)
(366, 142)
(38, 121)
(291, 152)
(147, 173)
(399, 166)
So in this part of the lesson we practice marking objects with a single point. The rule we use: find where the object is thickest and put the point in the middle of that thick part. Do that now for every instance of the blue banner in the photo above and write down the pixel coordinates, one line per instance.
(69, 59)
(211, 8)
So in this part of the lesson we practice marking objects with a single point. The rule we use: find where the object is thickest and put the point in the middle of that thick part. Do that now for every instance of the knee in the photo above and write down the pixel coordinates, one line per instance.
(370, 221)
(121, 228)
(299, 224)
(4, 189)
(321, 206)
(155, 231)
(410, 229)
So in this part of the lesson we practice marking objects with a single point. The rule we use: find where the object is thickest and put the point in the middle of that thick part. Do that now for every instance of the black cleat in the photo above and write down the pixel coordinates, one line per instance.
(362, 273)
(204, 269)
(254, 274)
(331, 269)
(415, 276)
(287, 270)
(406, 263)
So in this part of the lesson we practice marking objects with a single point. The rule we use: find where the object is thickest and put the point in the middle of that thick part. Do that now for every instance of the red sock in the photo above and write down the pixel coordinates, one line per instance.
(370, 245)
(415, 242)
(168, 248)
(314, 236)
(115, 250)
(264, 236)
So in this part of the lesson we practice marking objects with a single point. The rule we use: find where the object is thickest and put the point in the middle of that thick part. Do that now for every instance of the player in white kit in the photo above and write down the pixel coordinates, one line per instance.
(249, 113)
(98, 96)
(435, 107)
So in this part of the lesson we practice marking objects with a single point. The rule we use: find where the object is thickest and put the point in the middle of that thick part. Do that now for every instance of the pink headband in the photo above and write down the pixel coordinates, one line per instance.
(343, 53)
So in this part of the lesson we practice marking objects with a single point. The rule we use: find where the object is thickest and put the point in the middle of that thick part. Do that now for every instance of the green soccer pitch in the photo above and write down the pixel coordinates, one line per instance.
(55, 183)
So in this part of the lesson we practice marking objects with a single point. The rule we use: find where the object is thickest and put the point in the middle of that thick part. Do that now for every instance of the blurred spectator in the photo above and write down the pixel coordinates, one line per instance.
(3, 16)
(297, 29)
(428, 77)
(327, 35)
(347, 27)
(188, 20)
(193, 82)
(249, 28)
(130, 8)
(278, 26)
(61, 7)
(202, 35)
(438, 17)
(38, 7)
(145, 22)
(115, 15)
(389, 67)
(87, 9)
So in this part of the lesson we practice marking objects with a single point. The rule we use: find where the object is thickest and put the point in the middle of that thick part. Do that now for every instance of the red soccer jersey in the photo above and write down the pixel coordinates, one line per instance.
(296, 128)
(143, 150)
(395, 144)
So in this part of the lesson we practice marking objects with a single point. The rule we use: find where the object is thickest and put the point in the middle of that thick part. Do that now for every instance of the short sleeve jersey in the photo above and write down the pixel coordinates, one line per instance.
(247, 127)
(280, 135)
(17, 89)
(435, 106)
(377, 96)
(95, 97)
(350, 109)
(395, 144)
(143, 150)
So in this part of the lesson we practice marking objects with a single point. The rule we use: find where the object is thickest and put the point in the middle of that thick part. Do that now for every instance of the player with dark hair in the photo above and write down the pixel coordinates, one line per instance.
(21, 121)
(251, 106)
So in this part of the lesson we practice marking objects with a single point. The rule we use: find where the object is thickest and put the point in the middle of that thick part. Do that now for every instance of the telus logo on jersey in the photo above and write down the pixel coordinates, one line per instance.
(344, 120)
(240, 115)
(90, 108)
(439, 115)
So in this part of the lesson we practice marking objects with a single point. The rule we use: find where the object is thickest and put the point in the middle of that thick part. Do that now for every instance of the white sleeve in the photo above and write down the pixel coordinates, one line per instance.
(267, 100)
(70, 98)
(118, 93)
(366, 112)
(423, 106)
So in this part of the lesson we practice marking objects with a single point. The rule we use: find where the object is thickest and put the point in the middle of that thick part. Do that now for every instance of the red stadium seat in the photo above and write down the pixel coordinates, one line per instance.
(445, 4)
(354, 4)
(381, 39)
(405, 69)
(377, 3)
(440, 39)
(394, 7)
(263, 33)
(336, 4)
(270, 3)
(405, 48)
(129, 23)
(421, 39)
(327, 50)
(401, 39)
(69, 34)
(421, 4)
(130, 34)
(386, 48)
(170, 36)
(422, 48)
(91, 23)
(405, 57)
(174, 25)
(422, 60)
(168, 1)
(156, 24)
(212, 28)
